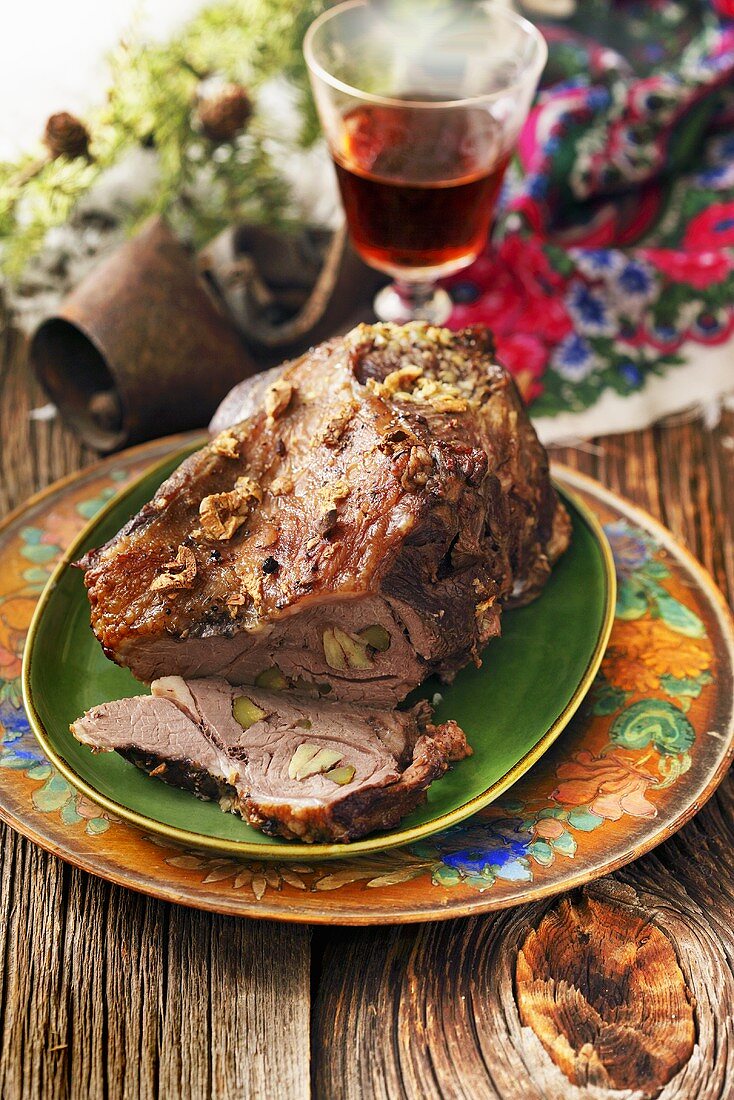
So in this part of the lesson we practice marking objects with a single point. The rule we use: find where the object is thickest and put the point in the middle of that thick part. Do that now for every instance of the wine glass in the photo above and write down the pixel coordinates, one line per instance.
(421, 104)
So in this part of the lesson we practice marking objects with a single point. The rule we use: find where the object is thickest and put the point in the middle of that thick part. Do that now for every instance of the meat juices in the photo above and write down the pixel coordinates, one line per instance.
(360, 524)
(291, 767)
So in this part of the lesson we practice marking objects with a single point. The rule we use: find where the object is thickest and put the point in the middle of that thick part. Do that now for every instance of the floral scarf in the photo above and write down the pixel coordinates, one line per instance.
(610, 280)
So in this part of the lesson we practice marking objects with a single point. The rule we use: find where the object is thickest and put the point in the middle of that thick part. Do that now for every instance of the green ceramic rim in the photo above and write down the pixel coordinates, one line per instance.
(288, 850)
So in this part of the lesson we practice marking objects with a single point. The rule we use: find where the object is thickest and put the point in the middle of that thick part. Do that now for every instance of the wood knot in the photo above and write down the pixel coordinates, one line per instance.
(603, 991)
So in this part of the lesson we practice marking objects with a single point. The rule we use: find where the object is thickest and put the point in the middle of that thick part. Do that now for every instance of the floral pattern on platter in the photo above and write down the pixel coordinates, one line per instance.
(666, 651)
(640, 710)
(40, 548)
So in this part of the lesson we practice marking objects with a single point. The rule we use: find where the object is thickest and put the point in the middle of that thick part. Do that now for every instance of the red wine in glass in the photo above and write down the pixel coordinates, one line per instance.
(419, 186)
(421, 109)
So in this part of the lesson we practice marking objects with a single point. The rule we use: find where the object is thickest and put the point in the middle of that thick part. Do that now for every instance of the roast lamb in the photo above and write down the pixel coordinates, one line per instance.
(361, 525)
(291, 766)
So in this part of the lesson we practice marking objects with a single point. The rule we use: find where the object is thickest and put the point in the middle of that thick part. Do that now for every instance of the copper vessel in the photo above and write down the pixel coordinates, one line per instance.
(142, 347)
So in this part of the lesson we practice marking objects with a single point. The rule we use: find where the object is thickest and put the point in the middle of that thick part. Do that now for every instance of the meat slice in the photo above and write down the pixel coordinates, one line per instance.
(362, 525)
(292, 767)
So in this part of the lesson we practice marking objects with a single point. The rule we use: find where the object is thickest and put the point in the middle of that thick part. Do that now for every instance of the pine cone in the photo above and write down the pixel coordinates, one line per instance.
(66, 136)
(224, 115)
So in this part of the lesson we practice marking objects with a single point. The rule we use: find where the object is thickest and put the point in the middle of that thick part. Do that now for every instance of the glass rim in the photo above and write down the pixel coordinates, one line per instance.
(317, 69)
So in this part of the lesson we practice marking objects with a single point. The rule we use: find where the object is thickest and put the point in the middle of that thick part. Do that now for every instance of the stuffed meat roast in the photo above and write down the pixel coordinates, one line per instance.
(362, 524)
(289, 765)
(359, 521)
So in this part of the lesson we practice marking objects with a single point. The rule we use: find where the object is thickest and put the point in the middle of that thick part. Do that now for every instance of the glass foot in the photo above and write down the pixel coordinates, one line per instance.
(403, 302)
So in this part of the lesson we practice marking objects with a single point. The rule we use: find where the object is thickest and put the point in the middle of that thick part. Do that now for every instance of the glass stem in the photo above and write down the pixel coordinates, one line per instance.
(417, 296)
(404, 301)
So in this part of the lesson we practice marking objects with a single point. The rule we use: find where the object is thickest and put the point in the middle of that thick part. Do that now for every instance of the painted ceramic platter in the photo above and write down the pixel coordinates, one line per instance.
(647, 747)
(512, 709)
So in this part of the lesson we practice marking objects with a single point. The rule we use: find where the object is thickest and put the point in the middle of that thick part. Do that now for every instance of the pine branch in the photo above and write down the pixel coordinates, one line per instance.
(151, 102)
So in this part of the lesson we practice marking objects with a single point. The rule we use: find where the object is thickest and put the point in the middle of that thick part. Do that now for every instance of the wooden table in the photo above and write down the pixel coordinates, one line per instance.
(105, 993)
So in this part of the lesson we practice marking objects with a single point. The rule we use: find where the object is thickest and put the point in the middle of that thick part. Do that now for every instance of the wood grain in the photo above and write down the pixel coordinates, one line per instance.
(444, 998)
(602, 989)
(105, 993)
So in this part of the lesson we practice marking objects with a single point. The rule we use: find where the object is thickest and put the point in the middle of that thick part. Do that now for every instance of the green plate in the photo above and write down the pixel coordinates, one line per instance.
(512, 709)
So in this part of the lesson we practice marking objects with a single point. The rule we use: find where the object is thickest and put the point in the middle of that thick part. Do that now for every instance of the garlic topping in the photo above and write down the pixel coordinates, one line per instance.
(226, 444)
(278, 397)
(222, 514)
(180, 573)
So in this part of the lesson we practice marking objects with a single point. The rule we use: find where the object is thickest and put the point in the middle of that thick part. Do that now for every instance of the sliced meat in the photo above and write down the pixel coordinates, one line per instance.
(384, 497)
(291, 766)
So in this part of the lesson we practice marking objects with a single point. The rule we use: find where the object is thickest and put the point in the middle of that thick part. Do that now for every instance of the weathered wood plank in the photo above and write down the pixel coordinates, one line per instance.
(33, 453)
(448, 1012)
(445, 997)
(33, 1020)
(259, 1000)
(105, 993)
(601, 987)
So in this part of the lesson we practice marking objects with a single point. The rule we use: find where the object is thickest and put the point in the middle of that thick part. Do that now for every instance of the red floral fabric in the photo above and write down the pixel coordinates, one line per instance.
(614, 248)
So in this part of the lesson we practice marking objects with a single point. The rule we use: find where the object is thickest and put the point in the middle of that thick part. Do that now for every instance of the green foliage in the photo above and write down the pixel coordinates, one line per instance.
(653, 721)
(151, 103)
(632, 599)
(641, 593)
(685, 689)
(606, 698)
(584, 821)
(679, 617)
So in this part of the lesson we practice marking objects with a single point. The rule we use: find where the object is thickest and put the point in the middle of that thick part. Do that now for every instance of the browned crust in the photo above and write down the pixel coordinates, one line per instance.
(452, 491)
